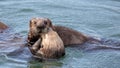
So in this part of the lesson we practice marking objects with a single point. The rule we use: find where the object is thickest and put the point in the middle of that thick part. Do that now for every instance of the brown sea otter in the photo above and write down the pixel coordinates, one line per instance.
(68, 35)
(49, 44)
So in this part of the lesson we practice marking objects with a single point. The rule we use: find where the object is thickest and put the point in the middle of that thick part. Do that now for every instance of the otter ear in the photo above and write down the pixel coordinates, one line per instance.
(50, 23)
(32, 22)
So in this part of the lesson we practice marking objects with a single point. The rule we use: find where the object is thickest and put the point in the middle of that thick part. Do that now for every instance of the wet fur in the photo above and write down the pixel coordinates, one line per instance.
(70, 36)
(44, 45)
(51, 45)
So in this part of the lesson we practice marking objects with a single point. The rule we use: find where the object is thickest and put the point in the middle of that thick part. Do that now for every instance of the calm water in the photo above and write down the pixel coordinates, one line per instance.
(97, 18)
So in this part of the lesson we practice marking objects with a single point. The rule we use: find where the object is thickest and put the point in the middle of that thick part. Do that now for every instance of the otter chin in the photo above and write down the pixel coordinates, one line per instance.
(48, 44)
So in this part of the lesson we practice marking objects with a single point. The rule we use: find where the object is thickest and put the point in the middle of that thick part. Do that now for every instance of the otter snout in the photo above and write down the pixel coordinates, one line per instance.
(42, 26)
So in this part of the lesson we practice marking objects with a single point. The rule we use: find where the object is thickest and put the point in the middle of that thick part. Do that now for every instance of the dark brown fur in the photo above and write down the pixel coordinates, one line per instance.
(70, 36)
(3, 26)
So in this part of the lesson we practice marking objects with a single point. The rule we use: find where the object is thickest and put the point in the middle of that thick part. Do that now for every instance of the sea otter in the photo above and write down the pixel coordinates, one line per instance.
(49, 44)
(68, 35)
(36, 35)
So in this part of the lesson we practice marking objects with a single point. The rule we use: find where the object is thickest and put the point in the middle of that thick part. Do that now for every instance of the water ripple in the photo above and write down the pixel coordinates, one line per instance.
(26, 10)
(110, 8)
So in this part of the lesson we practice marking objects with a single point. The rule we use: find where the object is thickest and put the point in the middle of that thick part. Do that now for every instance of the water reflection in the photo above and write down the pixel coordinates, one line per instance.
(45, 64)
(18, 55)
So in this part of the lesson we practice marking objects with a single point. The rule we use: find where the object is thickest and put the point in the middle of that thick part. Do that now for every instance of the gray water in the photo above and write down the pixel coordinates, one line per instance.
(96, 18)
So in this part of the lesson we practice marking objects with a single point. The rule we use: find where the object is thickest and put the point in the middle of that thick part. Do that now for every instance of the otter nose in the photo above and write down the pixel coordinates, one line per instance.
(41, 26)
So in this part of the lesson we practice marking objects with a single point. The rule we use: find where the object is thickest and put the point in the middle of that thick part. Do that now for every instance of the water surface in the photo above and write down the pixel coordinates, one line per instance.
(97, 18)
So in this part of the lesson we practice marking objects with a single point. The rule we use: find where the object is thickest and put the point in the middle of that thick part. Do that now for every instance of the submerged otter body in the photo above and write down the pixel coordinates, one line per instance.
(70, 36)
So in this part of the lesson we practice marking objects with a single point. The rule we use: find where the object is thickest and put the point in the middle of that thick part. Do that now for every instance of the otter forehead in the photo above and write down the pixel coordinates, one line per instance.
(38, 20)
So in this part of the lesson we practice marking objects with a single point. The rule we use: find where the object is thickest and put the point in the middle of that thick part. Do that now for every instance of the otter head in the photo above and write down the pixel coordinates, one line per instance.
(40, 25)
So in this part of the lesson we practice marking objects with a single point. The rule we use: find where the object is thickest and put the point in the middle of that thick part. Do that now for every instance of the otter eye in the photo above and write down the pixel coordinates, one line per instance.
(45, 22)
